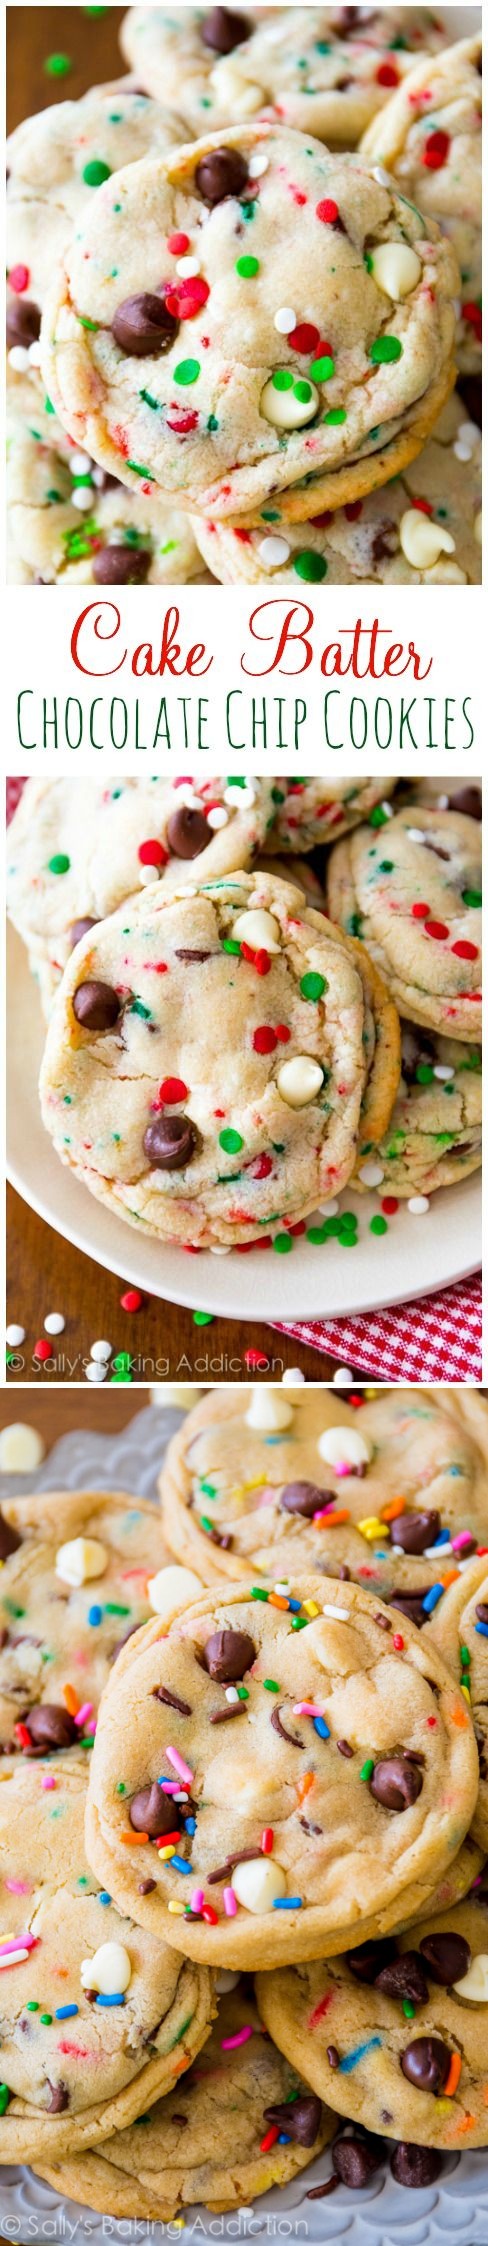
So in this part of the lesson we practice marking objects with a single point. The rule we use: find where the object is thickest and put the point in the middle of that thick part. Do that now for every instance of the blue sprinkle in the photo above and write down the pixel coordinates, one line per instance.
(287, 1903)
(432, 1598)
(381, 1555)
(66, 2011)
(190, 1825)
(444, 1538)
(481, 1629)
(274, 1438)
(178, 1864)
(346, 2065)
(322, 1727)
(103, 1897)
(95, 1616)
(294, 1606)
(284, 2140)
(119, 1999)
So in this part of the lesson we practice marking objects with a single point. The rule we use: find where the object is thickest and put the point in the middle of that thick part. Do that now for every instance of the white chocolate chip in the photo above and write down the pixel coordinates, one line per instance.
(383, 178)
(343, 1378)
(396, 269)
(299, 1080)
(257, 165)
(173, 1587)
(259, 929)
(421, 540)
(273, 551)
(371, 1173)
(285, 409)
(285, 320)
(236, 94)
(268, 1413)
(474, 1984)
(21, 1448)
(81, 1560)
(415, 834)
(101, 1352)
(109, 1970)
(225, 1980)
(259, 1884)
(343, 1446)
(418, 1205)
(293, 1378)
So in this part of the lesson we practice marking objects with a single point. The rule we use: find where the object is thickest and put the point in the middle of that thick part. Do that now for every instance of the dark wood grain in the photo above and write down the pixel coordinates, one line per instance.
(90, 42)
(61, 1413)
(45, 1273)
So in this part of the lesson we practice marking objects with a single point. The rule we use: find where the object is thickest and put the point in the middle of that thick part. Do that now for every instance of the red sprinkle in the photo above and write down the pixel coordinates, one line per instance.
(132, 1300)
(177, 244)
(420, 912)
(22, 1734)
(328, 211)
(261, 1167)
(435, 151)
(304, 337)
(423, 506)
(269, 2139)
(472, 313)
(152, 854)
(267, 1840)
(42, 1351)
(398, 1642)
(187, 299)
(182, 424)
(255, 1360)
(387, 75)
(464, 950)
(389, 1205)
(19, 278)
(437, 929)
(211, 1916)
(353, 509)
(172, 1089)
(264, 1040)
(283, 1033)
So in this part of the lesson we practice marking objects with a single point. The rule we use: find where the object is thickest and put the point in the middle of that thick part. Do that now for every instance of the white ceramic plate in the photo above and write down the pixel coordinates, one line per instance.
(415, 1256)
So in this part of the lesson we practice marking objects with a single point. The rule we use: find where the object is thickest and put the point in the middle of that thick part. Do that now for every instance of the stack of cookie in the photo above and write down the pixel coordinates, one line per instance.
(305, 308)
(230, 1052)
(276, 1774)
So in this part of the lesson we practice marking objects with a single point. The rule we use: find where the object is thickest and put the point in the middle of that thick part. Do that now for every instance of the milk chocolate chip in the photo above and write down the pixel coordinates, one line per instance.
(305, 1498)
(143, 327)
(222, 173)
(227, 1655)
(79, 929)
(151, 1812)
(404, 1978)
(447, 1957)
(50, 1725)
(415, 1531)
(300, 2118)
(224, 29)
(410, 1603)
(187, 833)
(369, 1960)
(395, 1783)
(23, 322)
(416, 2166)
(170, 1142)
(467, 800)
(426, 2063)
(96, 1005)
(355, 2160)
(122, 565)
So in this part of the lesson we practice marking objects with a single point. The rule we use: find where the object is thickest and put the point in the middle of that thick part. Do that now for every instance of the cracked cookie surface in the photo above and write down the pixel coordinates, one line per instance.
(413, 895)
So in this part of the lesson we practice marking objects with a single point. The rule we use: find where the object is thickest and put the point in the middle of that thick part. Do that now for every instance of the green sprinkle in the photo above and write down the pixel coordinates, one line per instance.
(302, 391)
(283, 1244)
(367, 1770)
(247, 267)
(149, 401)
(312, 986)
(204, 1318)
(257, 1594)
(57, 66)
(386, 865)
(408, 2008)
(242, 1692)
(336, 415)
(111, 1608)
(270, 1684)
(207, 1488)
(46, 2019)
(137, 1007)
(137, 470)
(59, 864)
(378, 817)
(206, 1524)
(424, 1073)
(472, 897)
(378, 1224)
(84, 322)
(231, 1141)
(282, 379)
(300, 1621)
(122, 1363)
(95, 172)
(32, 2006)
(465, 1657)
(229, 944)
(322, 369)
(187, 371)
(121, 1788)
(4, 2097)
(311, 567)
(385, 350)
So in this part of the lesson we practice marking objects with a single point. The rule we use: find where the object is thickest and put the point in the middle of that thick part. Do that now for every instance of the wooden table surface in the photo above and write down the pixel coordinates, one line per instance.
(86, 37)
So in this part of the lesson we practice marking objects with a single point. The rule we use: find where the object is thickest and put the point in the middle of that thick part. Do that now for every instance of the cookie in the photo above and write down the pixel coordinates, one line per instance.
(429, 139)
(96, 2020)
(74, 1576)
(396, 2036)
(238, 2123)
(421, 528)
(460, 1630)
(413, 894)
(209, 386)
(257, 1013)
(55, 161)
(285, 1855)
(70, 523)
(317, 810)
(327, 71)
(78, 848)
(294, 1478)
(434, 1134)
(304, 874)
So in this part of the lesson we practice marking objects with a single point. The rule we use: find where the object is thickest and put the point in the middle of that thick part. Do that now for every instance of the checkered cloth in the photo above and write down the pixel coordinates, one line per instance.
(437, 1338)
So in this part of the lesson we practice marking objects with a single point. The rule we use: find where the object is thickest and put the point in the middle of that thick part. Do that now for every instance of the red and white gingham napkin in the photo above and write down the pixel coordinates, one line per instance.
(437, 1338)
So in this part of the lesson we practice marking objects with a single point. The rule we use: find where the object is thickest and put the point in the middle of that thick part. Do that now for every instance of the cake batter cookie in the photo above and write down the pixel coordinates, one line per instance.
(295, 1478)
(78, 848)
(317, 810)
(240, 2093)
(460, 1631)
(209, 386)
(421, 528)
(397, 2034)
(97, 2017)
(303, 873)
(294, 1840)
(434, 1134)
(70, 523)
(429, 139)
(413, 895)
(74, 1575)
(55, 161)
(325, 72)
(213, 1052)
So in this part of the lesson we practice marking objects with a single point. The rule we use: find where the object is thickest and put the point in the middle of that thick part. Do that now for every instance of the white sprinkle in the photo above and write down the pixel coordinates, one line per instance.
(292, 1377)
(34, 354)
(371, 1173)
(462, 452)
(285, 320)
(54, 1324)
(80, 464)
(343, 1378)
(98, 478)
(257, 165)
(18, 358)
(416, 834)
(444, 1074)
(95, 1372)
(220, 1251)
(328, 1209)
(282, 1589)
(188, 267)
(82, 499)
(436, 1552)
(147, 875)
(338, 1614)
(231, 1694)
(101, 1351)
(383, 178)
(419, 1205)
(14, 1336)
(273, 551)
(386, 808)
(469, 434)
(116, 537)
(443, 802)
(219, 817)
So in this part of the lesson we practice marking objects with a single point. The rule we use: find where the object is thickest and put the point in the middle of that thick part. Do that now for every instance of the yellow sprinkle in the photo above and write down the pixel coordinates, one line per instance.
(165, 1854)
(309, 1607)
(177, 1909)
(371, 1392)
(255, 1484)
(466, 1693)
(4, 1774)
(371, 1528)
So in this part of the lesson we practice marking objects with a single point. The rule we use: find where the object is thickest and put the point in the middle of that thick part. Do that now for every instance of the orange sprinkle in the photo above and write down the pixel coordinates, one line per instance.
(329, 1520)
(71, 1699)
(453, 2077)
(275, 1600)
(451, 1577)
(460, 1716)
(468, 2122)
(392, 1511)
(304, 1785)
(133, 1840)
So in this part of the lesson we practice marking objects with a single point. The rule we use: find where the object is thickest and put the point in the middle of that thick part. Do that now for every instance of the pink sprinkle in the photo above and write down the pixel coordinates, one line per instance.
(83, 1713)
(18, 1942)
(342, 1469)
(231, 2042)
(19, 1886)
(74, 2051)
(458, 1541)
(198, 1899)
(306, 1708)
(230, 1906)
(48, 1785)
(180, 1765)
(91, 1728)
(168, 1785)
